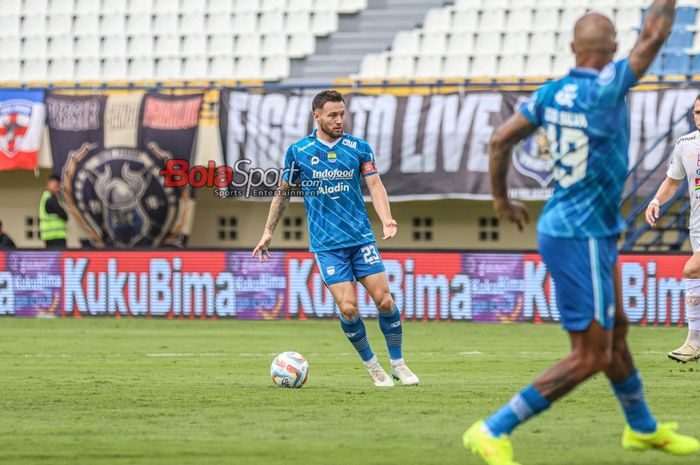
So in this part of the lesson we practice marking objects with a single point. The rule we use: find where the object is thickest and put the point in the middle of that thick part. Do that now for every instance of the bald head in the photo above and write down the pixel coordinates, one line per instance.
(594, 40)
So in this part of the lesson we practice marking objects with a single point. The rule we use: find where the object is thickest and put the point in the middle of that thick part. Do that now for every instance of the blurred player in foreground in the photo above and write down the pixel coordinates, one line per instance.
(586, 120)
(328, 165)
(684, 163)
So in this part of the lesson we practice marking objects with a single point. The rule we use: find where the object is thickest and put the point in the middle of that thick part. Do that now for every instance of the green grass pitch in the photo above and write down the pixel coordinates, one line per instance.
(107, 391)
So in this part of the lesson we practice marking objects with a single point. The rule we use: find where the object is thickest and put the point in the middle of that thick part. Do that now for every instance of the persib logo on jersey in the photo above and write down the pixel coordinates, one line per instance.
(332, 157)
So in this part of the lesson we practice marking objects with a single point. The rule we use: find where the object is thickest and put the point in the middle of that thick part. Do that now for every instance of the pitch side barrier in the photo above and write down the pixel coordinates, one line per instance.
(478, 286)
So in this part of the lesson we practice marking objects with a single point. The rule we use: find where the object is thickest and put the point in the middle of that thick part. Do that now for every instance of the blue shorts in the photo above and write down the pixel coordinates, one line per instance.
(582, 272)
(340, 265)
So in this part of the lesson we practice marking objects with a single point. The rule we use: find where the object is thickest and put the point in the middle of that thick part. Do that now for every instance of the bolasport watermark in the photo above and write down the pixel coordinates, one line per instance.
(242, 180)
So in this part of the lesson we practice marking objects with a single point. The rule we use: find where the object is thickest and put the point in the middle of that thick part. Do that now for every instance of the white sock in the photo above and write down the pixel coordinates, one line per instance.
(487, 430)
(398, 361)
(692, 310)
(371, 361)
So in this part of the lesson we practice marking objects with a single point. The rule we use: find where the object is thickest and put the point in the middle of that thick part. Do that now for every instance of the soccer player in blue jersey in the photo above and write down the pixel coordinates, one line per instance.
(585, 118)
(328, 165)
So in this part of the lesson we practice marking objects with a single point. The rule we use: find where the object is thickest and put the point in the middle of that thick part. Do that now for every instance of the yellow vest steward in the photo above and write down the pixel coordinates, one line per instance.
(51, 226)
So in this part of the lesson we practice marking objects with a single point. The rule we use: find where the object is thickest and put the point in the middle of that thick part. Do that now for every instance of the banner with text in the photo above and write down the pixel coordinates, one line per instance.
(479, 287)
(109, 152)
(435, 146)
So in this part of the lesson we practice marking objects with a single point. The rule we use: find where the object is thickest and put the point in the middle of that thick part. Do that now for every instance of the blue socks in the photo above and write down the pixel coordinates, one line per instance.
(390, 324)
(357, 335)
(527, 403)
(630, 393)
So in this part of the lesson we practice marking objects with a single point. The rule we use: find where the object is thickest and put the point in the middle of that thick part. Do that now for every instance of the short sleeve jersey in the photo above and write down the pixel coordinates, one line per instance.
(331, 181)
(586, 121)
(685, 163)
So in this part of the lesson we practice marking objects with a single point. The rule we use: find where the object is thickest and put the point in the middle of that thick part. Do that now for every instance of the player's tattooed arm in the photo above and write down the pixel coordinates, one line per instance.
(504, 138)
(655, 31)
(277, 207)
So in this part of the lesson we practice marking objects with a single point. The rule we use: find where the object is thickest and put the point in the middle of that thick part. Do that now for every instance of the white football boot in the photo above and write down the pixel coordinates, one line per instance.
(404, 374)
(379, 376)
(685, 353)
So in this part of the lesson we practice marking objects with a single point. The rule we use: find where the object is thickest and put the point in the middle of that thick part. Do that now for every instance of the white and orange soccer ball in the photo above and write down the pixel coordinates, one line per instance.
(289, 369)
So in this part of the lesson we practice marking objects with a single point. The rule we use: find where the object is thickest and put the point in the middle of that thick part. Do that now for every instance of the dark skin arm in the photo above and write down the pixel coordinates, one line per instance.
(501, 144)
(655, 31)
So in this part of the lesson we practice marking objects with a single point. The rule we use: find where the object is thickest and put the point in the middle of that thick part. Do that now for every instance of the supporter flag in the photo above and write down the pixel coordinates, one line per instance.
(22, 114)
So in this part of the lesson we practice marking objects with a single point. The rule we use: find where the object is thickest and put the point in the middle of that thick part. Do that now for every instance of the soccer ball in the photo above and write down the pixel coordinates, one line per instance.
(289, 369)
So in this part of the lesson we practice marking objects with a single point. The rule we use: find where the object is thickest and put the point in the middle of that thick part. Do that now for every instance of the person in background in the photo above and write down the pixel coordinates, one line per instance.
(52, 216)
(5, 240)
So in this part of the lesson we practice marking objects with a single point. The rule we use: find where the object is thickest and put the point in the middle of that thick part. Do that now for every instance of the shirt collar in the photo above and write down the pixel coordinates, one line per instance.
(584, 72)
(313, 135)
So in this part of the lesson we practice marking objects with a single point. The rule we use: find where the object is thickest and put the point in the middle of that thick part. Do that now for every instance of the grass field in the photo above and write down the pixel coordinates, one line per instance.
(106, 391)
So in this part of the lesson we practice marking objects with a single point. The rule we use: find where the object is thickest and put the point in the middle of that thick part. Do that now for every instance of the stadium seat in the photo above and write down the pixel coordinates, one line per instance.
(542, 41)
(219, 23)
(11, 47)
(246, 6)
(373, 65)
(11, 8)
(87, 47)
(193, 6)
(437, 19)
(167, 46)
(59, 24)
(165, 6)
(297, 22)
(324, 23)
(138, 24)
(488, 43)
(58, 7)
(114, 46)
(546, 19)
(511, 65)
(685, 15)
(564, 39)
(483, 66)
(558, 4)
(112, 24)
(274, 44)
(496, 4)
(61, 69)
(460, 43)
(11, 69)
(468, 4)
(273, 5)
(434, 43)
(539, 64)
(196, 45)
(680, 39)
(249, 67)
(632, 3)
(400, 67)
(465, 20)
(140, 7)
(88, 69)
(33, 26)
(656, 67)
(429, 66)
(217, 6)
(34, 47)
(140, 69)
(244, 23)
(35, 69)
(562, 64)
(516, 42)
(9, 26)
(195, 68)
(456, 66)
(221, 68)
(406, 43)
(300, 6)
(625, 41)
(192, 23)
(87, 25)
(86, 7)
(695, 64)
(140, 46)
(248, 45)
(301, 44)
(351, 6)
(275, 68)
(32, 7)
(695, 47)
(220, 45)
(569, 16)
(327, 5)
(168, 69)
(165, 24)
(628, 18)
(492, 20)
(272, 21)
(114, 7)
(520, 19)
(676, 63)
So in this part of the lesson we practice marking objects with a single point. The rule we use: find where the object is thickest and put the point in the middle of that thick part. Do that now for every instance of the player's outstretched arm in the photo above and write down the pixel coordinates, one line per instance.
(655, 31)
(667, 189)
(380, 201)
(279, 203)
(503, 139)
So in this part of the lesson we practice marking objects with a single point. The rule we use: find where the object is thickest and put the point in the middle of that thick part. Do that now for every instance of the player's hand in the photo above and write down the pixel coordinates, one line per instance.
(513, 211)
(262, 250)
(390, 228)
(652, 214)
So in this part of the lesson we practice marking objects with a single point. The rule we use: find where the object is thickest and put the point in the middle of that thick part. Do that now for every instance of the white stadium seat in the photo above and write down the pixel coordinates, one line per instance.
(57, 7)
(221, 68)
(114, 46)
(35, 69)
(519, 20)
(400, 67)
(546, 19)
(11, 69)
(511, 65)
(564, 41)
(59, 24)
(569, 16)
(429, 66)
(248, 45)
(167, 46)
(301, 44)
(113, 7)
(32, 7)
(563, 62)
(351, 6)
(438, 19)
(192, 23)
(516, 42)
(373, 65)
(138, 24)
(61, 69)
(249, 67)
(34, 25)
(140, 7)
(324, 22)
(9, 26)
(196, 45)
(488, 43)
(165, 23)
(168, 69)
(493, 20)
(327, 5)
(297, 21)
(195, 68)
(271, 21)
(140, 46)
(498, 4)
(88, 69)
(112, 24)
(275, 68)
(300, 5)
(406, 43)
(11, 47)
(628, 18)
(539, 64)
(460, 43)
(456, 66)
(141, 69)
(465, 20)
(244, 23)
(86, 25)
(219, 6)
(246, 6)
(273, 5)
(483, 66)
(11, 7)
(87, 6)
(274, 44)
(87, 47)
(34, 47)
(542, 41)
(193, 6)
(165, 6)
(220, 45)
(217, 23)
(434, 43)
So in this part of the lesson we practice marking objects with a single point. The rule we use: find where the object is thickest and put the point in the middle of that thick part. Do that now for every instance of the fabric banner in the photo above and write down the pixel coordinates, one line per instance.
(435, 146)
(109, 152)
(427, 286)
(22, 115)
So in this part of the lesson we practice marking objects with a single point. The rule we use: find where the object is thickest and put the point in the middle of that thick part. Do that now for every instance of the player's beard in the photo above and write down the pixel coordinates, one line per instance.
(331, 131)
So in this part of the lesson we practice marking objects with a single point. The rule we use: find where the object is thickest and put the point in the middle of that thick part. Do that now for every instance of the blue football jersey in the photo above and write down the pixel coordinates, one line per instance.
(331, 180)
(586, 120)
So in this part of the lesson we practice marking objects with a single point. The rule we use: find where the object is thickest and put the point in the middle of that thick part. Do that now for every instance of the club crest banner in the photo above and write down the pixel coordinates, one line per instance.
(22, 115)
(109, 152)
(435, 146)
